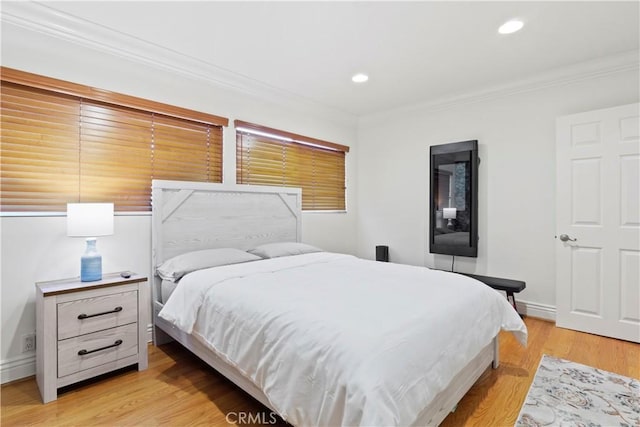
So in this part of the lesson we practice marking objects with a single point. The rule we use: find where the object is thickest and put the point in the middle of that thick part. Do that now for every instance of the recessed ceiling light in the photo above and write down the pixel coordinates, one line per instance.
(359, 78)
(510, 27)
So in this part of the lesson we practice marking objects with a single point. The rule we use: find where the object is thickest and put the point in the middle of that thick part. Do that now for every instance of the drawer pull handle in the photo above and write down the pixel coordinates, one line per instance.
(84, 352)
(86, 316)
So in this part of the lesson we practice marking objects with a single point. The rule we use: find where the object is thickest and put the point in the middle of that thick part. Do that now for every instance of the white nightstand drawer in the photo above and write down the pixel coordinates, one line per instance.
(88, 351)
(88, 315)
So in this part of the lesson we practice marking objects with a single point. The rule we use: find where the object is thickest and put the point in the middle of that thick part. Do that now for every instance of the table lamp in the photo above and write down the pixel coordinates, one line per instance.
(90, 220)
(449, 214)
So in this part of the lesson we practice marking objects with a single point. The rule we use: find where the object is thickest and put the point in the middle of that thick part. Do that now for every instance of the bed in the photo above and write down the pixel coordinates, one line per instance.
(317, 337)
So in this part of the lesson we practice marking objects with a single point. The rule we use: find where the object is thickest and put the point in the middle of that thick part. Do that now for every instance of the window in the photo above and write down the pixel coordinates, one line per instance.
(267, 156)
(63, 142)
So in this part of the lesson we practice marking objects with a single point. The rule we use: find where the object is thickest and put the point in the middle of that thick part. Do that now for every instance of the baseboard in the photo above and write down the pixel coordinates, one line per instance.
(18, 367)
(24, 366)
(534, 309)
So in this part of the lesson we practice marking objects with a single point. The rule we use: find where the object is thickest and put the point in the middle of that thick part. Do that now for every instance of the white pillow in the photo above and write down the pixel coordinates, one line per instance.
(275, 250)
(173, 269)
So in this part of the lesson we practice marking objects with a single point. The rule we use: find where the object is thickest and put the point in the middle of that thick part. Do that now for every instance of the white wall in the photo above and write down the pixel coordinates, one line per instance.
(37, 248)
(516, 136)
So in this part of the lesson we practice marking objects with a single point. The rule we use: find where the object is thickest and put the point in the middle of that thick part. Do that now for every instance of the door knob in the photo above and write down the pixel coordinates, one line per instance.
(566, 238)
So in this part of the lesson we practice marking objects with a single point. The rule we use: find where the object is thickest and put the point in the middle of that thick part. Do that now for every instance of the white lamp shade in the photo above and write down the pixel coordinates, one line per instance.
(449, 213)
(89, 219)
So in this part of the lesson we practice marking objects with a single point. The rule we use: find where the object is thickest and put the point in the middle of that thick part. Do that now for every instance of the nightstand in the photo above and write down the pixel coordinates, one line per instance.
(85, 329)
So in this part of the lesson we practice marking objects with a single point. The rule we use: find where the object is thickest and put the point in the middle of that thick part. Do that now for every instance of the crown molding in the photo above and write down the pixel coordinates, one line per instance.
(40, 18)
(623, 62)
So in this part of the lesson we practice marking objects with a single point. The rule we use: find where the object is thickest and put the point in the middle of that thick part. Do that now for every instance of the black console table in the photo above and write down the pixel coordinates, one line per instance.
(508, 285)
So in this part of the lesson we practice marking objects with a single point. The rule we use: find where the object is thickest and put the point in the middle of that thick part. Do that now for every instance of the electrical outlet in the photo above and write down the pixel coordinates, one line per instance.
(28, 342)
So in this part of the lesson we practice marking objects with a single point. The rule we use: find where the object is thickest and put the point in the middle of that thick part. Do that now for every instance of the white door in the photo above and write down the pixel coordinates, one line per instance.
(598, 222)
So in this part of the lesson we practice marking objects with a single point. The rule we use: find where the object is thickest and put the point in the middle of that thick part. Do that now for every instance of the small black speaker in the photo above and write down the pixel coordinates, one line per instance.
(382, 253)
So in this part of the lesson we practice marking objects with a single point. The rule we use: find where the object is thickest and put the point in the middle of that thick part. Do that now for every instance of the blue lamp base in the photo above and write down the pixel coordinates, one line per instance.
(91, 263)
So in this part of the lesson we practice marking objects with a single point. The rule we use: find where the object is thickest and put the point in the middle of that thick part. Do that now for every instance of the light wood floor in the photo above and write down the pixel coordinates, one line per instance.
(180, 390)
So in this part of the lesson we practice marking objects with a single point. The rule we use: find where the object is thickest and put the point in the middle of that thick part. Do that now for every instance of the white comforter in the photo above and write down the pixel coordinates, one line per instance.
(336, 340)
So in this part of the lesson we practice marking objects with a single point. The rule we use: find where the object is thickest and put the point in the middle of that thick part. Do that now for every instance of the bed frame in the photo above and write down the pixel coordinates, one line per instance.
(188, 216)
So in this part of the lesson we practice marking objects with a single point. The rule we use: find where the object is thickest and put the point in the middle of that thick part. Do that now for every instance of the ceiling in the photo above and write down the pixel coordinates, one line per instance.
(412, 51)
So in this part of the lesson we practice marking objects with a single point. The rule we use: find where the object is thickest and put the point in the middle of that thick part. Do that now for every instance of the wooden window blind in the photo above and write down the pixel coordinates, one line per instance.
(58, 147)
(39, 151)
(267, 156)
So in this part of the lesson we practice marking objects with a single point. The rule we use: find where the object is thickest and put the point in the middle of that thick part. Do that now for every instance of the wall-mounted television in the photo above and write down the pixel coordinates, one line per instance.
(453, 222)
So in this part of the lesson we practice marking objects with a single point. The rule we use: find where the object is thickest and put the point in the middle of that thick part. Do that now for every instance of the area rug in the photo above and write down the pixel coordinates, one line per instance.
(564, 393)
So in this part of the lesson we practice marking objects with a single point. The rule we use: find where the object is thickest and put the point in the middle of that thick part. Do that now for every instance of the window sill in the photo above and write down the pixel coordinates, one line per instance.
(54, 214)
